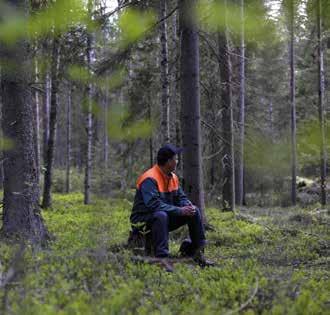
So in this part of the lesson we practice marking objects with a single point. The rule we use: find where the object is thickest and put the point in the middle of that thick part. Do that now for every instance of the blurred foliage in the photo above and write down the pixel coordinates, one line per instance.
(80, 74)
(6, 144)
(59, 177)
(309, 139)
(87, 270)
(120, 127)
(267, 155)
(216, 15)
(106, 83)
(58, 17)
(134, 24)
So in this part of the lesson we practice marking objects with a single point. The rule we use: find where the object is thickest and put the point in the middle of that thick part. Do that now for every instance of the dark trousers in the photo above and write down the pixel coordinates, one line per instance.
(162, 223)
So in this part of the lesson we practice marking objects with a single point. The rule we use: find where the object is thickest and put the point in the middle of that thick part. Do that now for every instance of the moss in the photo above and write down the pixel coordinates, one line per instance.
(87, 270)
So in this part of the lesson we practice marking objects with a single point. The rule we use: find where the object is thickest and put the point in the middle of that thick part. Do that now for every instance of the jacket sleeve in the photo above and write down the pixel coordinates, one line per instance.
(182, 198)
(152, 200)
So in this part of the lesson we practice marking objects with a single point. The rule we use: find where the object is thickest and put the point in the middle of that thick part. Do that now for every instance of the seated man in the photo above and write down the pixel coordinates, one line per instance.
(162, 205)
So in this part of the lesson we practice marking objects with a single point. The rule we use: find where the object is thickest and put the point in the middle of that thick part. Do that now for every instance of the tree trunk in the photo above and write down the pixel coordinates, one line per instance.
(37, 121)
(151, 148)
(89, 129)
(173, 106)
(21, 213)
(271, 120)
(293, 108)
(240, 184)
(228, 190)
(323, 160)
(55, 64)
(190, 102)
(1, 146)
(45, 116)
(105, 135)
(165, 117)
(68, 139)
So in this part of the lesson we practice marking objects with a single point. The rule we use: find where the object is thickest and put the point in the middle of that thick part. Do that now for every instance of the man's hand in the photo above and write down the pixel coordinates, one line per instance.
(188, 211)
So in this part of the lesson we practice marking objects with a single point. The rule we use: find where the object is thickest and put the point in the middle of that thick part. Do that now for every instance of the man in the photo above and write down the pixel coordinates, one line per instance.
(162, 205)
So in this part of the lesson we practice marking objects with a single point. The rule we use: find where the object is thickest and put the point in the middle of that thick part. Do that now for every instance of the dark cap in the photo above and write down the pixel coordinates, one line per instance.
(166, 152)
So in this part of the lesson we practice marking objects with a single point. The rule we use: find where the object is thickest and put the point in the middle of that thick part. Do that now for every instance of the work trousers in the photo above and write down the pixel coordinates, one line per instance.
(162, 223)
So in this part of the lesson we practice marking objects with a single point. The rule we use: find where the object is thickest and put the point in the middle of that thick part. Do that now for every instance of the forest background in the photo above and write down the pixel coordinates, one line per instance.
(89, 92)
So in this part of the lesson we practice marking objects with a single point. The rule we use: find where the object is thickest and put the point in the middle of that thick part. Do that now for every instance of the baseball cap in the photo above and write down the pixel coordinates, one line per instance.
(166, 152)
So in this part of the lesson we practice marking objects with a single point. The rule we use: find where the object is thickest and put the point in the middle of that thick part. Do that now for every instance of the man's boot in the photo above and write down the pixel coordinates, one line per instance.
(200, 259)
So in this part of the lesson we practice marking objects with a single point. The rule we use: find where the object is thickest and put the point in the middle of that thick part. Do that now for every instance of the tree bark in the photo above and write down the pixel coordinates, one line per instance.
(174, 81)
(21, 212)
(190, 102)
(240, 184)
(105, 135)
(55, 64)
(151, 147)
(37, 121)
(68, 139)
(45, 116)
(293, 108)
(228, 190)
(271, 120)
(323, 157)
(1, 146)
(89, 129)
(165, 117)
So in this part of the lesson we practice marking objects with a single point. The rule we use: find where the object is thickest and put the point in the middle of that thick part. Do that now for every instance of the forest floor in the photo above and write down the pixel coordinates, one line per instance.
(269, 261)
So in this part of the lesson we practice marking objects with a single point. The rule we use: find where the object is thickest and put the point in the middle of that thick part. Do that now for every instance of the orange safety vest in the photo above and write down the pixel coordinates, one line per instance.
(164, 183)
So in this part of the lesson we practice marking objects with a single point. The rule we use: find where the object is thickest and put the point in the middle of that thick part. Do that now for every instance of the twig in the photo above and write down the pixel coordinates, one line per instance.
(107, 15)
(106, 64)
(164, 18)
(213, 155)
(214, 130)
(244, 305)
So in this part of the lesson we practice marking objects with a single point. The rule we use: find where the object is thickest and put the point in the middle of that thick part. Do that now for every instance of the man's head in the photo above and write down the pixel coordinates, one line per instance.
(167, 157)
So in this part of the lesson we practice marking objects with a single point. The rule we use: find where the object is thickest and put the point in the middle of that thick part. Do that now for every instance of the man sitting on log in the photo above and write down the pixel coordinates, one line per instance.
(161, 204)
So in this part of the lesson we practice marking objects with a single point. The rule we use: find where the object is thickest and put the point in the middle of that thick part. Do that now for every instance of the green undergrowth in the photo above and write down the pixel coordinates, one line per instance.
(276, 261)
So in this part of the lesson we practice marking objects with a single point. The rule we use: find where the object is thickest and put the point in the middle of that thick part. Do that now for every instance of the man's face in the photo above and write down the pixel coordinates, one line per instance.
(171, 164)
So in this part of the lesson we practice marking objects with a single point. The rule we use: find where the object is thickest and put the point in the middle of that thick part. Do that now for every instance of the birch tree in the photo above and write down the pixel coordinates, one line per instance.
(89, 115)
(240, 183)
(228, 190)
(293, 105)
(320, 63)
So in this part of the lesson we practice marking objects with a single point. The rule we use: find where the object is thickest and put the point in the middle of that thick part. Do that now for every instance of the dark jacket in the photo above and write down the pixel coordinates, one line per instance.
(156, 191)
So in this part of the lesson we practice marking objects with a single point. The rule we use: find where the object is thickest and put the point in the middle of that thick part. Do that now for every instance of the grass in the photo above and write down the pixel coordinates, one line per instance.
(279, 264)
